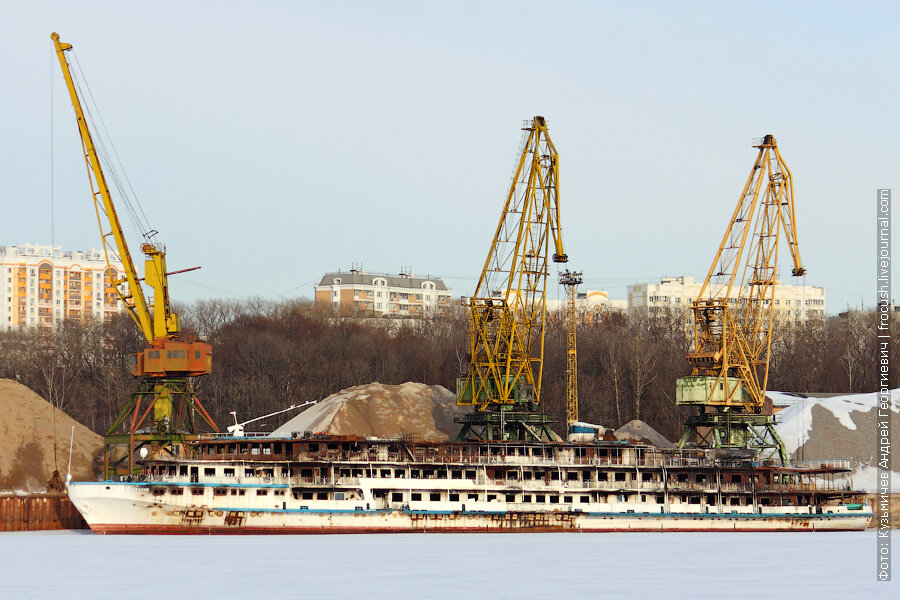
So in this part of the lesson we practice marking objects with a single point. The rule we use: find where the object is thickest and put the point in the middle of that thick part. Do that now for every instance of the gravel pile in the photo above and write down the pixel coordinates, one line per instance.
(638, 431)
(829, 438)
(423, 412)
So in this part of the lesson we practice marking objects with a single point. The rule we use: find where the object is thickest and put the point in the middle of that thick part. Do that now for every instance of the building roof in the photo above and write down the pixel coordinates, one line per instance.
(52, 253)
(362, 278)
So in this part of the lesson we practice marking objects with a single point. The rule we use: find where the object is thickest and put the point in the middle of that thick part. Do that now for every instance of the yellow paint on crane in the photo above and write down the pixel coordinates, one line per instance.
(732, 332)
(508, 309)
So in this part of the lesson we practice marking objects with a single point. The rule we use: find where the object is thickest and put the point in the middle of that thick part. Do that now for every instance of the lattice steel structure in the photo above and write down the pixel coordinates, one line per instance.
(733, 316)
(571, 280)
(509, 307)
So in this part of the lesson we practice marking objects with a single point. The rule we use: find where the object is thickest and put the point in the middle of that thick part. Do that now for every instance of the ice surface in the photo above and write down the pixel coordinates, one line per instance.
(473, 566)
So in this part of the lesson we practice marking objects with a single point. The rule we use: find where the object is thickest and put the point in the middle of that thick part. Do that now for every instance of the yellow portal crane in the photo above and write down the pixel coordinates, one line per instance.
(170, 357)
(571, 280)
(733, 316)
(509, 307)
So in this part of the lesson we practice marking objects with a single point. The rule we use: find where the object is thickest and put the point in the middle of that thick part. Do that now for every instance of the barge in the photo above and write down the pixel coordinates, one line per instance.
(316, 484)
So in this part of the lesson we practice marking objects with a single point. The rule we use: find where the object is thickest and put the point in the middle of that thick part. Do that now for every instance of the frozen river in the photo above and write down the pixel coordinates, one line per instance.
(622, 565)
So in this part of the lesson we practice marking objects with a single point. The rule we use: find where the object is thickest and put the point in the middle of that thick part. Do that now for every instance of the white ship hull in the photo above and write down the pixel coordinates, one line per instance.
(131, 508)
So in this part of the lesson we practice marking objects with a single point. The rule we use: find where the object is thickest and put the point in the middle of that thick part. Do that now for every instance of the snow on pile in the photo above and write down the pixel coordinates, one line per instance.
(839, 427)
(795, 421)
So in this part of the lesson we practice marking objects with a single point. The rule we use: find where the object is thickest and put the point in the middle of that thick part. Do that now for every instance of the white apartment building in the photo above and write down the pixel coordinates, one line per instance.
(376, 294)
(791, 302)
(41, 286)
(590, 301)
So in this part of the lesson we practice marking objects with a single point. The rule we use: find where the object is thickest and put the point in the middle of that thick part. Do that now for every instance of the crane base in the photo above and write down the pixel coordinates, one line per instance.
(734, 430)
(171, 410)
(506, 424)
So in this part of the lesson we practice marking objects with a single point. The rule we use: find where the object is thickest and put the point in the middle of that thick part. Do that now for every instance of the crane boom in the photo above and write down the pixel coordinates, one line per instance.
(134, 300)
(167, 354)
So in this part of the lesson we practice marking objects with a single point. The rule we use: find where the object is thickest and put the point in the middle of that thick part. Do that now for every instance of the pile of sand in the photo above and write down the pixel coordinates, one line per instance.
(838, 427)
(27, 441)
(638, 431)
(387, 411)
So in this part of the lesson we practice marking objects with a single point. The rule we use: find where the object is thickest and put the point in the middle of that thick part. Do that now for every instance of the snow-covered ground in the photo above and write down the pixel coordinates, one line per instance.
(795, 424)
(614, 565)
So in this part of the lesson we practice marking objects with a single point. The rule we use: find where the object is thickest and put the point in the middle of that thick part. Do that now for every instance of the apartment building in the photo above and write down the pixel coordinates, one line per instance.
(377, 294)
(791, 302)
(590, 301)
(41, 286)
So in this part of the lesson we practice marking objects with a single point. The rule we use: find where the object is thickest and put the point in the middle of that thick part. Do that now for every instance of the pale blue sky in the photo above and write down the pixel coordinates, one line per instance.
(271, 142)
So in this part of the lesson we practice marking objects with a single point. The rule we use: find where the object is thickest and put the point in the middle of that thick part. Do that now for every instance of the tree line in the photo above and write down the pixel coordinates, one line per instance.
(268, 355)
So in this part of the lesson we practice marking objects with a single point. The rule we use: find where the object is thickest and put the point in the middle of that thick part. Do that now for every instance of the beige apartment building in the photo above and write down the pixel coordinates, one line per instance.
(40, 286)
(376, 294)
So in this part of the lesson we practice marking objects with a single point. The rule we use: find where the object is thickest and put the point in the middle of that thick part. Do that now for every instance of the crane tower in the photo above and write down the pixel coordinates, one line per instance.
(733, 317)
(509, 307)
(571, 280)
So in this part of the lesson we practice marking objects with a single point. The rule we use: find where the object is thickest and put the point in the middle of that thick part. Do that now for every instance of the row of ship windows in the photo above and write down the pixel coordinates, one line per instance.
(555, 475)
(198, 491)
(555, 499)
(482, 451)
(457, 497)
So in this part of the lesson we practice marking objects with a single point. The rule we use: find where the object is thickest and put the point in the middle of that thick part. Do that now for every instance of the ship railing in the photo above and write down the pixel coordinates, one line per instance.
(691, 486)
(837, 463)
(678, 461)
(732, 464)
(157, 478)
(296, 480)
(796, 487)
(347, 481)
(736, 487)
(540, 484)
(577, 485)
(226, 434)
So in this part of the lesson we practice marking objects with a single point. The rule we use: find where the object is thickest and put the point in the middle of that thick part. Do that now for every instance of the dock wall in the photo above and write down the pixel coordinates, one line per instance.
(34, 512)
